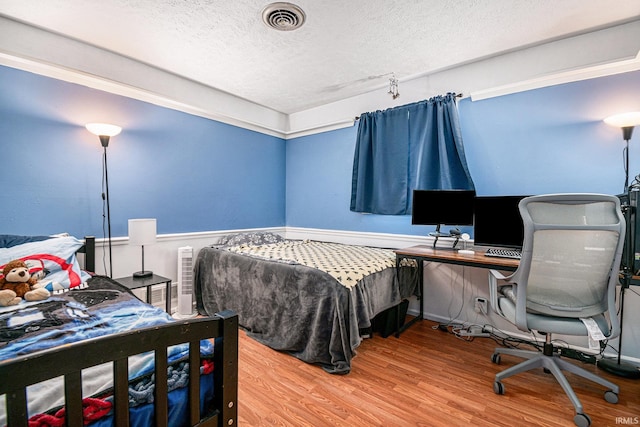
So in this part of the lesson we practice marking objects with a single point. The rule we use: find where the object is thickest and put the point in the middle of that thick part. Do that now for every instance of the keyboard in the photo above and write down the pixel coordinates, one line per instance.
(503, 253)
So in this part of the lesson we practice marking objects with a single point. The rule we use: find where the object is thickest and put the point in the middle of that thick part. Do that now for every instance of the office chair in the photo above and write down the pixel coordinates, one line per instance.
(568, 271)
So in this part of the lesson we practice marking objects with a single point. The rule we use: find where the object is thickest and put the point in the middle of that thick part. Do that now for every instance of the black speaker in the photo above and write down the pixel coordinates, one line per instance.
(630, 258)
(385, 323)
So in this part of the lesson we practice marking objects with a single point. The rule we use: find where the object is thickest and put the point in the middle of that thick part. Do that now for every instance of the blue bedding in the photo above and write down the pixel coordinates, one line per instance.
(102, 307)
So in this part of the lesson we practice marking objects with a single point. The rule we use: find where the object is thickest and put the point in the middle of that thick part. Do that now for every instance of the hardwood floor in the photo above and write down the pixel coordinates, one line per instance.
(426, 377)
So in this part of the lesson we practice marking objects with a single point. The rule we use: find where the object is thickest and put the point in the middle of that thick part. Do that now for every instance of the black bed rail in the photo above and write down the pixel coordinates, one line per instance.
(89, 251)
(70, 360)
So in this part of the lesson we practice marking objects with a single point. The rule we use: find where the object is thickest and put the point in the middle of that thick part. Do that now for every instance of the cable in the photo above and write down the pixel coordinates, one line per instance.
(104, 217)
(444, 326)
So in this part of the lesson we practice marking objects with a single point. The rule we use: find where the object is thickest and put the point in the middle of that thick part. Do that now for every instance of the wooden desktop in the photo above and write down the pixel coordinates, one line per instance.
(452, 256)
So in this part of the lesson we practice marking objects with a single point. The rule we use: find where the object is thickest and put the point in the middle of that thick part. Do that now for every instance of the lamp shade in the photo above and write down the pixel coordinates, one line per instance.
(142, 231)
(103, 129)
(624, 120)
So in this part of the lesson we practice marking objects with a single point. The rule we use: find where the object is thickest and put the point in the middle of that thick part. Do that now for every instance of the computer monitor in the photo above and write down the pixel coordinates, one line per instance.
(497, 222)
(442, 207)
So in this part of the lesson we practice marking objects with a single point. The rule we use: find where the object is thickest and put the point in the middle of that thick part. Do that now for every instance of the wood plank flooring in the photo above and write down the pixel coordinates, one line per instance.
(426, 377)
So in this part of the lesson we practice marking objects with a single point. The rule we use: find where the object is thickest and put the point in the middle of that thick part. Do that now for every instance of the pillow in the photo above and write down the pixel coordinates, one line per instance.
(252, 238)
(56, 256)
(10, 240)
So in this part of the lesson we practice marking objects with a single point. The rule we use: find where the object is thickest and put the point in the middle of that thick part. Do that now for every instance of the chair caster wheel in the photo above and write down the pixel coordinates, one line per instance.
(610, 396)
(498, 388)
(582, 420)
(495, 358)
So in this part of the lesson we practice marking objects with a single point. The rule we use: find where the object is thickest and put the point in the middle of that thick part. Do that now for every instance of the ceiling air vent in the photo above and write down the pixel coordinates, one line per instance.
(283, 16)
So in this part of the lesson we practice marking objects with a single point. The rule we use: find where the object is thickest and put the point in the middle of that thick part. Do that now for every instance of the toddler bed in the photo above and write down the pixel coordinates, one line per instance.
(94, 354)
(308, 298)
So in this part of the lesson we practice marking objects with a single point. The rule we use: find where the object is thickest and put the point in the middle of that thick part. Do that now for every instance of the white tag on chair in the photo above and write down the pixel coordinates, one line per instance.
(595, 333)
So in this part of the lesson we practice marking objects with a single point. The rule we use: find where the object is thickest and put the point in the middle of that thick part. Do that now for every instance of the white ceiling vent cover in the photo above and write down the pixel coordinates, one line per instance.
(283, 16)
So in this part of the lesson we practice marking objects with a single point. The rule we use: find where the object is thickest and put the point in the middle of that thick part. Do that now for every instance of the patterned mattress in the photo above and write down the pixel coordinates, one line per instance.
(342, 262)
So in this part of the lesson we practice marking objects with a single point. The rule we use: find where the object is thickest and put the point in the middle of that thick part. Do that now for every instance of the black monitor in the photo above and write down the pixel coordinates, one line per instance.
(498, 222)
(442, 207)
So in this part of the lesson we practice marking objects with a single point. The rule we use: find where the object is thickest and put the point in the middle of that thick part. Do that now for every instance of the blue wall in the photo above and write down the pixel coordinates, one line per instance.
(195, 174)
(552, 139)
(191, 173)
(319, 169)
(540, 141)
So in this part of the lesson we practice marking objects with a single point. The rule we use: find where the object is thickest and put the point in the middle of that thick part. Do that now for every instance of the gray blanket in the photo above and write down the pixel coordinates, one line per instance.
(294, 308)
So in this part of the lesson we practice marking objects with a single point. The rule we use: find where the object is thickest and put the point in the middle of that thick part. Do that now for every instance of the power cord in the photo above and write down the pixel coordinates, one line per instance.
(502, 339)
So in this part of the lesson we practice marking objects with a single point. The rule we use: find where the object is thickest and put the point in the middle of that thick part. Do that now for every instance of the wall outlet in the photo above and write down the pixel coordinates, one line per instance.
(481, 305)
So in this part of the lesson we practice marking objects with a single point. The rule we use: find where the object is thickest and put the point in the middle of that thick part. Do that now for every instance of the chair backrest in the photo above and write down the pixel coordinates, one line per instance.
(571, 254)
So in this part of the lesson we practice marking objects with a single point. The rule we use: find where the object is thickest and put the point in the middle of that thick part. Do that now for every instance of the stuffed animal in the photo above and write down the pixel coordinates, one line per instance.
(17, 284)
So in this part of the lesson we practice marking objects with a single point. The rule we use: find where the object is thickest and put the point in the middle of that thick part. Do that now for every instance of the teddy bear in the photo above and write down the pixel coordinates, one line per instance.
(17, 284)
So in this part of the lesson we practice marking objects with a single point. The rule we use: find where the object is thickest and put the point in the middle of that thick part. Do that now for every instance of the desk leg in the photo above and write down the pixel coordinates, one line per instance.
(149, 294)
(421, 284)
(420, 317)
(168, 295)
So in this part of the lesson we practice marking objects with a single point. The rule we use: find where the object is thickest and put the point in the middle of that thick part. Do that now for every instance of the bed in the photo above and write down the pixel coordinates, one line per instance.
(94, 354)
(310, 299)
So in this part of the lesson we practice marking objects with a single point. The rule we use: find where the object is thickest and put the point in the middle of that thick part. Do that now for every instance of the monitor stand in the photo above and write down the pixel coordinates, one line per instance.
(452, 233)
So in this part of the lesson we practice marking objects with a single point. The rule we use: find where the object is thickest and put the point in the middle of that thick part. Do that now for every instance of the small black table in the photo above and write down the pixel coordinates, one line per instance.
(131, 282)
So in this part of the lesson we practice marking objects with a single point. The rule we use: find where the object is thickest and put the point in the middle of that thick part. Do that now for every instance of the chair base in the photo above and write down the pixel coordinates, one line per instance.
(555, 365)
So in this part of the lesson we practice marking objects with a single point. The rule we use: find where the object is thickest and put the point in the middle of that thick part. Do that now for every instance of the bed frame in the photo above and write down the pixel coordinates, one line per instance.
(69, 360)
(89, 251)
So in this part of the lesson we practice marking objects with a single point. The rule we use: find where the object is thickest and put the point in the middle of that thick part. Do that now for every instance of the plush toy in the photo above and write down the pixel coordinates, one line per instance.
(17, 284)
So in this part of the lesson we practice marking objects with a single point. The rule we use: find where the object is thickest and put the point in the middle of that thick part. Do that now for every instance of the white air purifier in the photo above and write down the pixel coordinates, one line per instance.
(185, 283)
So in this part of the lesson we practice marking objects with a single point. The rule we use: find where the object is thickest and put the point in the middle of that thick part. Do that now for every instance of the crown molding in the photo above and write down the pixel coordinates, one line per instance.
(587, 73)
(53, 55)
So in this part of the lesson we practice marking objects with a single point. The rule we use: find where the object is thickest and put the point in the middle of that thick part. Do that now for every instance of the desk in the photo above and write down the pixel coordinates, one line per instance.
(421, 253)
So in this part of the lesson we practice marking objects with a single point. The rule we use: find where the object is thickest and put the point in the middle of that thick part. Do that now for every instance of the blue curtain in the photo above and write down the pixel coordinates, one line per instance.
(415, 146)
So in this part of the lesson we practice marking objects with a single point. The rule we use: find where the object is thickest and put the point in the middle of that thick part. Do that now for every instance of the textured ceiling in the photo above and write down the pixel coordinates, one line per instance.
(344, 49)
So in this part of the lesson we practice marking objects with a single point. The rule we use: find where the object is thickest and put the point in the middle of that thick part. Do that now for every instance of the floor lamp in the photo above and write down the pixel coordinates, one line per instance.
(105, 132)
(625, 121)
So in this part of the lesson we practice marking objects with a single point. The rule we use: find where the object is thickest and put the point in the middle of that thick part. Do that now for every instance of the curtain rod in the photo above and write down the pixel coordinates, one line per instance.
(458, 95)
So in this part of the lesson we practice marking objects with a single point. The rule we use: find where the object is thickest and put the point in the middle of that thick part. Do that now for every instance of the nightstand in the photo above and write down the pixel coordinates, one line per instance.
(148, 282)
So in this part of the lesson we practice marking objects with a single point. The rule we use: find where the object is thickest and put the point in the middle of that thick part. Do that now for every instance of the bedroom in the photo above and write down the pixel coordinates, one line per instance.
(201, 178)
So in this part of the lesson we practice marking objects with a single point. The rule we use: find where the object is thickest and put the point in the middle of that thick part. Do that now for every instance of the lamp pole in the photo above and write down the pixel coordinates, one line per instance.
(627, 131)
(105, 131)
(106, 184)
(625, 121)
